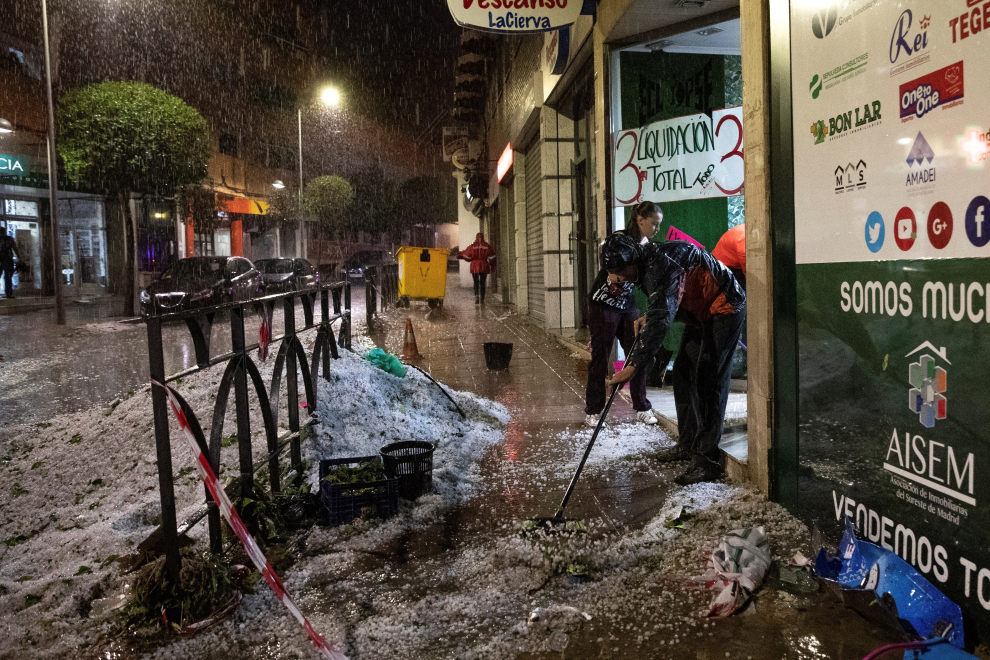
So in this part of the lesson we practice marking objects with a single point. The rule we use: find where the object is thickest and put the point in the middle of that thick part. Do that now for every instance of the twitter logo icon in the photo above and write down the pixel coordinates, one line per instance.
(874, 232)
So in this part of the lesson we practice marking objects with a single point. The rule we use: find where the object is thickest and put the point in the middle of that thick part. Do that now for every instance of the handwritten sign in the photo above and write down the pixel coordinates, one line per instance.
(673, 160)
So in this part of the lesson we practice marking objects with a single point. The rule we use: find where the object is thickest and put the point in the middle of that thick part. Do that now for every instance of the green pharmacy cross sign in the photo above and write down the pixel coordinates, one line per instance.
(14, 164)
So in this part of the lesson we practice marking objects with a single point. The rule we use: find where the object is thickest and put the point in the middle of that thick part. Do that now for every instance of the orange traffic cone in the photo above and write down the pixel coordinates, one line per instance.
(409, 350)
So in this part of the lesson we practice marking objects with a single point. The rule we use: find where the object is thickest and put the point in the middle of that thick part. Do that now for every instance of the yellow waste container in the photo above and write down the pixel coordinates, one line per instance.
(422, 275)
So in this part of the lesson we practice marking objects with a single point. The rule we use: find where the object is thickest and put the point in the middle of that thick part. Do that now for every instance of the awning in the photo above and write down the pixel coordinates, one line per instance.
(245, 205)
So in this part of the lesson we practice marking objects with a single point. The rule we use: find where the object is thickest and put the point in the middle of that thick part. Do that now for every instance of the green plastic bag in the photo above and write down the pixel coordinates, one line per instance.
(386, 362)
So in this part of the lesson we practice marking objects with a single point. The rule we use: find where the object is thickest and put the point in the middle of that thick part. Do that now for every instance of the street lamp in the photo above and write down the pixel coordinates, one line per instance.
(278, 185)
(53, 177)
(330, 97)
(6, 126)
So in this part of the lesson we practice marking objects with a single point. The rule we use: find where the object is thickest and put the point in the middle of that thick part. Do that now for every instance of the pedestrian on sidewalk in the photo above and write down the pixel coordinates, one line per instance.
(481, 256)
(8, 250)
(685, 283)
(612, 314)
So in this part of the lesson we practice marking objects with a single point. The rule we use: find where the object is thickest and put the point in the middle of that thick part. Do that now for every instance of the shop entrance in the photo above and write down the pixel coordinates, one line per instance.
(694, 76)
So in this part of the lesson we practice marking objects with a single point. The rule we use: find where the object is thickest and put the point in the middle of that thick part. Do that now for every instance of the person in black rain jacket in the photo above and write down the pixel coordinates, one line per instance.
(686, 283)
(612, 315)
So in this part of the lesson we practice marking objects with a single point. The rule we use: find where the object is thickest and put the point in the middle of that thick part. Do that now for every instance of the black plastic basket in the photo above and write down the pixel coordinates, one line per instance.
(343, 501)
(411, 462)
(497, 355)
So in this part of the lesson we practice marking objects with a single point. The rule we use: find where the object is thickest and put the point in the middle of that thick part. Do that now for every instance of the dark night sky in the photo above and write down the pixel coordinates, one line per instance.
(396, 54)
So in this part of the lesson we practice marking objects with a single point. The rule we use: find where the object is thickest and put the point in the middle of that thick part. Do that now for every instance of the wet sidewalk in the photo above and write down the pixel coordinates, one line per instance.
(641, 611)
(544, 389)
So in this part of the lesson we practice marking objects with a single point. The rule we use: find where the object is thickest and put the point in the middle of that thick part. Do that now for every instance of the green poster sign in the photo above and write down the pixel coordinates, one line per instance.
(894, 413)
(19, 165)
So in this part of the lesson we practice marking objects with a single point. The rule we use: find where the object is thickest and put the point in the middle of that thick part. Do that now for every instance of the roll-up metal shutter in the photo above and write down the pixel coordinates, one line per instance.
(534, 235)
(507, 259)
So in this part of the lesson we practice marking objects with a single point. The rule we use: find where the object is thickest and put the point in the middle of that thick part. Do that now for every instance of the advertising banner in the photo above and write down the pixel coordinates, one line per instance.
(678, 159)
(892, 225)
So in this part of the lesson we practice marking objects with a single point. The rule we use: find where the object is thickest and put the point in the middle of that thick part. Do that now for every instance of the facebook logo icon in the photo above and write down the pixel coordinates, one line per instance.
(978, 221)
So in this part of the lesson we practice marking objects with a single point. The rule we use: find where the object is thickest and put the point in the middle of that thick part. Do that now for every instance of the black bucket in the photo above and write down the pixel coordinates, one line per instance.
(410, 461)
(497, 355)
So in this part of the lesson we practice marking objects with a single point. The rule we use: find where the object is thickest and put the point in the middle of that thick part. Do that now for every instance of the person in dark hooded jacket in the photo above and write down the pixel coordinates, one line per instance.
(686, 283)
(612, 315)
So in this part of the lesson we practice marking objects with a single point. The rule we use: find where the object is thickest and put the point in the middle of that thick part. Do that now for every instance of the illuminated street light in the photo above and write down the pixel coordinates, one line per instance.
(6, 126)
(330, 96)
(278, 185)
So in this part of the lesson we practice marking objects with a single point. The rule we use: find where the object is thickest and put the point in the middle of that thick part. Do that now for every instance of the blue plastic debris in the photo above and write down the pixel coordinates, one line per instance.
(886, 589)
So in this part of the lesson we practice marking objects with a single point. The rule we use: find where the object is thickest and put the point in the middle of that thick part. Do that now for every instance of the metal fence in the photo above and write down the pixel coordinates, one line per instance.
(240, 368)
(381, 287)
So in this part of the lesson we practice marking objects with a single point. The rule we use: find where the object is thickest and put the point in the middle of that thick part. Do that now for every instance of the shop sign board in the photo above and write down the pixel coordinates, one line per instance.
(515, 16)
(455, 138)
(19, 165)
(673, 160)
(504, 163)
(892, 239)
(556, 51)
(461, 158)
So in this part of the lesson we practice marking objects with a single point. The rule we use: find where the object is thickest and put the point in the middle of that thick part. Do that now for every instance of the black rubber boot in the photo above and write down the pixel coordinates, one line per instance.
(671, 454)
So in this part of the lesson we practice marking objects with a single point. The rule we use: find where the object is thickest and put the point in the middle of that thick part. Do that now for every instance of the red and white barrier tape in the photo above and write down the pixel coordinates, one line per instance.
(234, 520)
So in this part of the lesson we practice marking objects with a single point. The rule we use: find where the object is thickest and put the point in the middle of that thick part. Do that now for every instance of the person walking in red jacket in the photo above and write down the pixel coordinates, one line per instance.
(481, 256)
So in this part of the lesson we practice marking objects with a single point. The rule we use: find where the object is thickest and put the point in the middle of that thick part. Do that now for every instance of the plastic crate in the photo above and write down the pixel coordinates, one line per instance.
(342, 501)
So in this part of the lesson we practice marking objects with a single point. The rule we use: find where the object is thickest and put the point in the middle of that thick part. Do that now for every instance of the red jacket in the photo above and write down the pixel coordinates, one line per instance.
(480, 254)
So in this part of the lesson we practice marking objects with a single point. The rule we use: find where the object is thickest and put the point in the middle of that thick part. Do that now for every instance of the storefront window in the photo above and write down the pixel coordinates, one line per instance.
(20, 207)
(221, 242)
(20, 220)
(83, 240)
(157, 245)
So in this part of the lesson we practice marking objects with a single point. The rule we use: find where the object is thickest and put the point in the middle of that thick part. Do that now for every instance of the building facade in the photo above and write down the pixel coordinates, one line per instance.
(856, 153)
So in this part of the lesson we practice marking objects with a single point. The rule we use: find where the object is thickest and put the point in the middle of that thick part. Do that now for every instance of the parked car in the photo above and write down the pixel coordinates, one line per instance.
(202, 282)
(282, 275)
(359, 261)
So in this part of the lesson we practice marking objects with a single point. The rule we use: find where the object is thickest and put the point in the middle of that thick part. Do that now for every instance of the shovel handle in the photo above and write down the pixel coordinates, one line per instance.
(559, 516)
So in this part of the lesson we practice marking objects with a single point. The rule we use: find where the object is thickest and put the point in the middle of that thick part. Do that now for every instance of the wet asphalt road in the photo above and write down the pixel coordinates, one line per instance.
(46, 370)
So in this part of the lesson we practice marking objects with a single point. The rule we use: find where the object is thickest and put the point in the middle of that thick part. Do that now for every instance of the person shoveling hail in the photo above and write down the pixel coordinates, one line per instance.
(685, 283)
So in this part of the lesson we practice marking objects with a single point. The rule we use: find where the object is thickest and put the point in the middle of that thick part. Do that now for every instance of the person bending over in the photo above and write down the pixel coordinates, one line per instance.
(685, 283)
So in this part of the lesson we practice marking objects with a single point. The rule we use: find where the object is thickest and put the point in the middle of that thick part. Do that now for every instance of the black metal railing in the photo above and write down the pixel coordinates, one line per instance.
(291, 359)
(381, 286)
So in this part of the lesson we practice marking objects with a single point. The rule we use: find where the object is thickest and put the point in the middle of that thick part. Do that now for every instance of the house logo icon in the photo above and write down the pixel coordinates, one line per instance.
(926, 398)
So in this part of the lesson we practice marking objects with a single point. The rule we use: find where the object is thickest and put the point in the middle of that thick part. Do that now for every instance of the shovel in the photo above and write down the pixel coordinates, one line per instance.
(558, 518)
